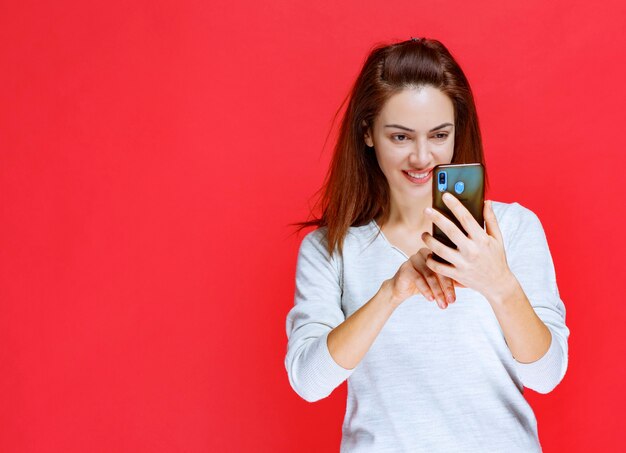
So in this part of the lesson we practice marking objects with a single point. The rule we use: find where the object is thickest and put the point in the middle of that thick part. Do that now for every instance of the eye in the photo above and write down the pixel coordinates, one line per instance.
(396, 137)
(441, 135)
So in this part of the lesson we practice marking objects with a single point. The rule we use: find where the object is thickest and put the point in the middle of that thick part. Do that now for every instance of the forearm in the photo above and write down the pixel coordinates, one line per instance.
(527, 336)
(349, 341)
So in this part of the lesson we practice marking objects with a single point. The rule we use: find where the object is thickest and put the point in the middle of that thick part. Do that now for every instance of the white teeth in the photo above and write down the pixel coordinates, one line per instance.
(418, 175)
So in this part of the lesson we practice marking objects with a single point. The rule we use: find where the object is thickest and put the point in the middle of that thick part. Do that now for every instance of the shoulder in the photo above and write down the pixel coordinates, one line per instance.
(512, 212)
(314, 243)
(514, 219)
(356, 238)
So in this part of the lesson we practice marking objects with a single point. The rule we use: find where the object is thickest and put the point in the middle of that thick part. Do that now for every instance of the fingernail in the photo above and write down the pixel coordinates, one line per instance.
(450, 298)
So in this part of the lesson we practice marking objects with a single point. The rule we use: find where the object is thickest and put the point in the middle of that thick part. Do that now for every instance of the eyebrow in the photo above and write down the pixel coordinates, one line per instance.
(441, 126)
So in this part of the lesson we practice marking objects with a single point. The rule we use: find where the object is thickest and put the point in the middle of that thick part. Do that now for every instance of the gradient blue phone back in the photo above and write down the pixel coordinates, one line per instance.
(469, 180)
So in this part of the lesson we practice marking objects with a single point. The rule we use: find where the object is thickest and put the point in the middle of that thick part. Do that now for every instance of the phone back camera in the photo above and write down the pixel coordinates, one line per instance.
(442, 184)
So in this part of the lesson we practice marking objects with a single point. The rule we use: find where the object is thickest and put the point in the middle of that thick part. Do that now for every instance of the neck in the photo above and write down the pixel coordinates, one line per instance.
(409, 216)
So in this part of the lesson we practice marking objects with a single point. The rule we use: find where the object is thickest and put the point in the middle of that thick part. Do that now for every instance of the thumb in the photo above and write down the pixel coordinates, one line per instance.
(491, 222)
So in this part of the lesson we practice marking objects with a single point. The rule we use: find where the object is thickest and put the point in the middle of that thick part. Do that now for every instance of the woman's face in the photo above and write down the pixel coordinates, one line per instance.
(413, 132)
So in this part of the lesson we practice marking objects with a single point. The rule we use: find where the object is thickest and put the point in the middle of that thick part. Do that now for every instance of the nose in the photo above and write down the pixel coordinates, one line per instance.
(420, 155)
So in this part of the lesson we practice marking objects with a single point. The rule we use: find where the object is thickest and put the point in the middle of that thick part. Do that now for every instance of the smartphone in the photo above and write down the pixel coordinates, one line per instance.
(467, 183)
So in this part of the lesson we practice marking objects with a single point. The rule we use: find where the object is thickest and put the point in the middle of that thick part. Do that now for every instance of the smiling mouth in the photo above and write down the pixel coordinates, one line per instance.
(423, 180)
(422, 175)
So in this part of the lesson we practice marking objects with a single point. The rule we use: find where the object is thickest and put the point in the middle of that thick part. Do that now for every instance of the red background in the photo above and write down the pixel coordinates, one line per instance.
(153, 153)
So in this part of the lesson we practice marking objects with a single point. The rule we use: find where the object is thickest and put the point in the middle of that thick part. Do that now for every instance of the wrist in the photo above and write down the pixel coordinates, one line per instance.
(386, 294)
(505, 290)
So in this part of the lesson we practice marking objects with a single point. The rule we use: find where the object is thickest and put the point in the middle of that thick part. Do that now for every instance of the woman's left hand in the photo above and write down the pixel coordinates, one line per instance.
(480, 260)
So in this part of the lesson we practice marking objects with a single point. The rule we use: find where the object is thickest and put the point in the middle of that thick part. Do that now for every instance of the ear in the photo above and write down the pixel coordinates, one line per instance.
(367, 136)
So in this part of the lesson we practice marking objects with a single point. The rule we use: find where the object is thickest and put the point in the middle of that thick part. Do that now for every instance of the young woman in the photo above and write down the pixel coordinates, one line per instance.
(436, 356)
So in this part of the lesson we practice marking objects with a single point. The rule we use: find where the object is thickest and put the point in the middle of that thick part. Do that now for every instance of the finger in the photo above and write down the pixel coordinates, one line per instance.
(448, 227)
(435, 287)
(424, 287)
(447, 253)
(448, 288)
(441, 268)
(420, 282)
(424, 252)
(491, 222)
(467, 220)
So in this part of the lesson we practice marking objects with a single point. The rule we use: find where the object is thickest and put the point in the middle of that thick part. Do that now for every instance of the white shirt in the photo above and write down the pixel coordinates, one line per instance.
(433, 380)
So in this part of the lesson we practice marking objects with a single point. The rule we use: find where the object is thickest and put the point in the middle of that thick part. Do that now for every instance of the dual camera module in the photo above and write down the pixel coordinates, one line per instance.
(442, 183)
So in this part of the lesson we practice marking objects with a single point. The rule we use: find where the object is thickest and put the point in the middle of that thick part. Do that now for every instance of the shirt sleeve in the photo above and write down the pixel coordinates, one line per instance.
(531, 263)
(312, 372)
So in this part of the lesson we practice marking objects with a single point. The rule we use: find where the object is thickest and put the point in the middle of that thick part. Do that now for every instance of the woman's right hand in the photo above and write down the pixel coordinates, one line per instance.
(415, 277)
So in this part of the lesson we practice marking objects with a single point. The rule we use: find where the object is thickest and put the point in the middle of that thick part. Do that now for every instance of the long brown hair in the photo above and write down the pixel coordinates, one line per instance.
(355, 190)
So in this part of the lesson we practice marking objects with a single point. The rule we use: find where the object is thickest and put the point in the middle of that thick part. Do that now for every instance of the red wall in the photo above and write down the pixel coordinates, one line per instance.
(152, 154)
